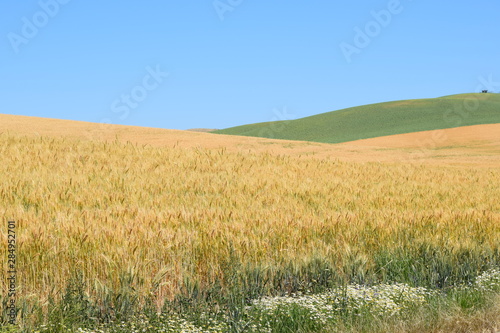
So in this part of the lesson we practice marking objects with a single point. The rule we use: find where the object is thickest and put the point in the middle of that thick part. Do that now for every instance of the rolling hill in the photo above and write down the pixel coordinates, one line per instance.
(382, 119)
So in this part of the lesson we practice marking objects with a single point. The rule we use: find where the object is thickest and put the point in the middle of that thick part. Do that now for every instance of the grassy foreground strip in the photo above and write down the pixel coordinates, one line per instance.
(353, 308)
(108, 231)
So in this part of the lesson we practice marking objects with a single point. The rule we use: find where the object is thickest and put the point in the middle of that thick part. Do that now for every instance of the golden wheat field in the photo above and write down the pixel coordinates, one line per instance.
(162, 213)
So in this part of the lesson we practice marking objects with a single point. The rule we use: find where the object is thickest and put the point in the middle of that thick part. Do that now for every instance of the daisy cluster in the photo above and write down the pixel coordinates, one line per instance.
(488, 281)
(379, 300)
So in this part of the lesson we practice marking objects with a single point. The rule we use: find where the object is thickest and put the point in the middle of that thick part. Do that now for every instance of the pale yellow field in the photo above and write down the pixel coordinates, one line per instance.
(480, 143)
(471, 137)
(170, 205)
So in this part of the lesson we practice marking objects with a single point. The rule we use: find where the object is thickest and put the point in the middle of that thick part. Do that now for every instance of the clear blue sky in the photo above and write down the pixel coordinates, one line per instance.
(232, 62)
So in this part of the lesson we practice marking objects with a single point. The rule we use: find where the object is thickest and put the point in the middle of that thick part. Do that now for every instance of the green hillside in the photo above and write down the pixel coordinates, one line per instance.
(381, 119)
